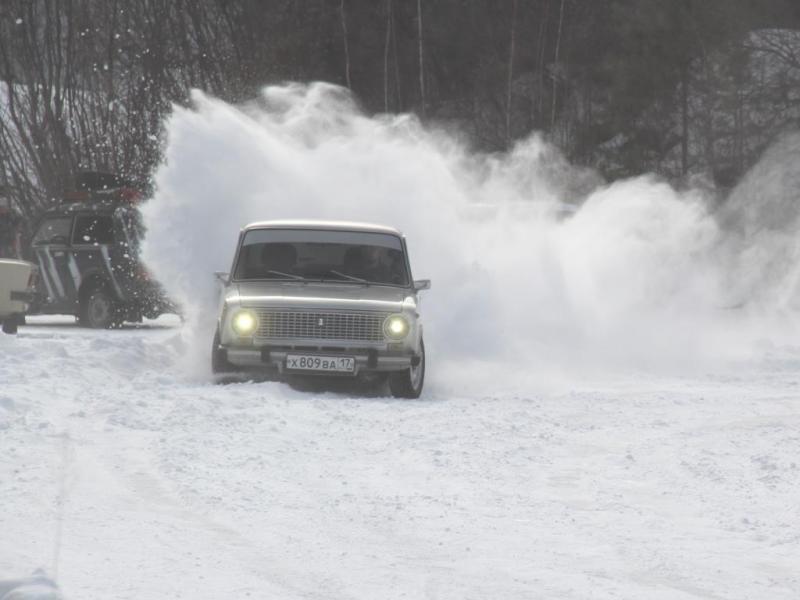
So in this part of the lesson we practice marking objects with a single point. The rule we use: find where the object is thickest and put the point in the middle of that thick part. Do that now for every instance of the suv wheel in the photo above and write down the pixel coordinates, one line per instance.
(408, 383)
(219, 360)
(99, 309)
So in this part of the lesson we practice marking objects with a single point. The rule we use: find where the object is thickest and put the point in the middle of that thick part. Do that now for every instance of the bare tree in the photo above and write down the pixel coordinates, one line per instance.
(87, 86)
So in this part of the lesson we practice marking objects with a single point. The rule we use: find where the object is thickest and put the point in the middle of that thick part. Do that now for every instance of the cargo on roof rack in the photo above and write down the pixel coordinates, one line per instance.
(98, 180)
(97, 186)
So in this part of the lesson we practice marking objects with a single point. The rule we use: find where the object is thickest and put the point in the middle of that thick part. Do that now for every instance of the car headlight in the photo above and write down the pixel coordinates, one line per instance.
(396, 327)
(244, 322)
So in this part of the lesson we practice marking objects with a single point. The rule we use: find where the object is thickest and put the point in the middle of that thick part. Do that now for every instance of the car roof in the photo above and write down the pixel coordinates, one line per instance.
(324, 226)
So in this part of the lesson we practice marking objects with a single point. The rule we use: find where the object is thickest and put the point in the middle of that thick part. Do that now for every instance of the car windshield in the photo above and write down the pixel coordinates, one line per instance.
(306, 254)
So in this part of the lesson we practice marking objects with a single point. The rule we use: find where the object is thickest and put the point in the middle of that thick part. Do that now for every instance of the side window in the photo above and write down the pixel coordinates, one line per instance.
(93, 230)
(53, 231)
(132, 227)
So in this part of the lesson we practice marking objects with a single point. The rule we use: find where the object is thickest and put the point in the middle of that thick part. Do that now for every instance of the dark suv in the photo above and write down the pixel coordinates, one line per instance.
(87, 250)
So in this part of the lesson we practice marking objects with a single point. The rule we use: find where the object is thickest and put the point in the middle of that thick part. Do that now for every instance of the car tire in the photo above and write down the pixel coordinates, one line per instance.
(219, 359)
(10, 325)
(99, 309)
(408, 383)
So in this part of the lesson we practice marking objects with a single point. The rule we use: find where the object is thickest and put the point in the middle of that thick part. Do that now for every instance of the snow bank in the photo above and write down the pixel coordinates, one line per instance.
(640, 274)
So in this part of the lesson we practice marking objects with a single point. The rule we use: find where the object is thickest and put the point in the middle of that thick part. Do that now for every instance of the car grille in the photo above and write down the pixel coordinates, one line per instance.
(344, 326)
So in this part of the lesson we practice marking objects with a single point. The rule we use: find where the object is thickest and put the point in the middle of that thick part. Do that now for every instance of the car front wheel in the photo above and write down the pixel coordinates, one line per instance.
(408, 383)
(219, 359)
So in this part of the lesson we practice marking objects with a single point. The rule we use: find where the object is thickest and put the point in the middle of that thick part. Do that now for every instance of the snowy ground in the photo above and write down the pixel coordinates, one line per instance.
(641, 487)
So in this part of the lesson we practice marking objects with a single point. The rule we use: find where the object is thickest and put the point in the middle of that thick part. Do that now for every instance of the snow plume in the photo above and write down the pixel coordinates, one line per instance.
(762, 224)
(535, 264)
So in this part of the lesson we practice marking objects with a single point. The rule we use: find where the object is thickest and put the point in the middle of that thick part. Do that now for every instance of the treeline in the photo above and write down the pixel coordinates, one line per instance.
(679, 87)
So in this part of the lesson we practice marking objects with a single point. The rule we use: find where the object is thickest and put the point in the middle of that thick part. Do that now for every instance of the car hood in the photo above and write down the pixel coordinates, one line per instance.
(320, 296)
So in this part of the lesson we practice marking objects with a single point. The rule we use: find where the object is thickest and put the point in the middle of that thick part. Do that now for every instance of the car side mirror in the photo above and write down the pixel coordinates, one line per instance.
(422, 284)
(221, 276)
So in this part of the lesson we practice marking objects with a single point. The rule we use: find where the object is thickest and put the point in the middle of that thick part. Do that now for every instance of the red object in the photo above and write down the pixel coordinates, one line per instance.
(130, 195)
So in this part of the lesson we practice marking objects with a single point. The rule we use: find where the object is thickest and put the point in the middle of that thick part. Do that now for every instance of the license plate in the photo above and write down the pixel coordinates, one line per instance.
(325, 364)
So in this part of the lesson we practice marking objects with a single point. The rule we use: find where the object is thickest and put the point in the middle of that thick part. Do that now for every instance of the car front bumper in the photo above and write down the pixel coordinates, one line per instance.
(367, 360)
(17, 303)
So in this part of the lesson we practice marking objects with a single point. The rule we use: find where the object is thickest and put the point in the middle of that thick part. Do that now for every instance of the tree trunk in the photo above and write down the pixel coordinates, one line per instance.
(386, 56)
(421, 62)
(346, 46)
(685, 120)
(555, 63)
(511, 49)
(537, 95)
(398, 89)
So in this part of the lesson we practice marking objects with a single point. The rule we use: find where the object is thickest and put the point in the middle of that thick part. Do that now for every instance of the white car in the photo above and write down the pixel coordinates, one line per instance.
(17, 278)
(322, 298)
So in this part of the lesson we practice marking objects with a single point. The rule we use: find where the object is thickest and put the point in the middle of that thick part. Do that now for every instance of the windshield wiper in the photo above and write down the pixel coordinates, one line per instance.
(350, 277)
(287, 275)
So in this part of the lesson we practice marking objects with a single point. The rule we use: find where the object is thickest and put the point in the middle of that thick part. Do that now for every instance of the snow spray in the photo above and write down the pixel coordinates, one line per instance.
(536, 265)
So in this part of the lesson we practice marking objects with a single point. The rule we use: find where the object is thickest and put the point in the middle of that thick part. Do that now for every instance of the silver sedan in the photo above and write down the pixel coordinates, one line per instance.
(322, 298)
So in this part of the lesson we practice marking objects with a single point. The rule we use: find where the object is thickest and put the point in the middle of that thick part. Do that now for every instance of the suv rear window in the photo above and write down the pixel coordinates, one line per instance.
(53, 231)
(93, 229)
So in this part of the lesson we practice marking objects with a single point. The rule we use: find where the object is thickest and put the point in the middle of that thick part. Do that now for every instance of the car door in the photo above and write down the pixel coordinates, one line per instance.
(92, 244)
(51, 245)
(125, 250)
